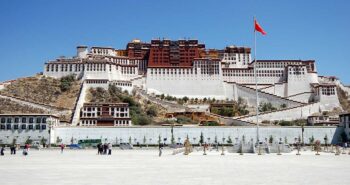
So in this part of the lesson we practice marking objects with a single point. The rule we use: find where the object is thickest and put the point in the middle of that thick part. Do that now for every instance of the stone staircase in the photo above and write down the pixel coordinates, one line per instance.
(79, 104)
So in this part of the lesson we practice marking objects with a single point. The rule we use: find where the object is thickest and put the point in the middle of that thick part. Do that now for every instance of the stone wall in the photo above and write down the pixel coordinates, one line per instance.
(289, 114)
(152, 134)
(249, 95)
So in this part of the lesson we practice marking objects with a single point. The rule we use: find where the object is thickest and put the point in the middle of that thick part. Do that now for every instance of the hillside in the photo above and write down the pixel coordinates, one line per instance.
(10, 107)
(44, 90)
(343, 99)
(142, 112)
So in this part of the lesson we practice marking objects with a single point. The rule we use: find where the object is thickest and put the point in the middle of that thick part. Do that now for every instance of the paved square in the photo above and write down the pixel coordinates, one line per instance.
(144, 167)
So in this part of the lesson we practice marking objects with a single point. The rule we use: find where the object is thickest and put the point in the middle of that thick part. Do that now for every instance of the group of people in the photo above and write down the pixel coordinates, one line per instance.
(104, 149)
(13, 149)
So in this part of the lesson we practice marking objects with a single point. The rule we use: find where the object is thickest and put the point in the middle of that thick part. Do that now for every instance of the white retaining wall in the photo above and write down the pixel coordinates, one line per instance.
(304, 97)
(152, 133)
(111, 135)
(249, 95)
(301, 112)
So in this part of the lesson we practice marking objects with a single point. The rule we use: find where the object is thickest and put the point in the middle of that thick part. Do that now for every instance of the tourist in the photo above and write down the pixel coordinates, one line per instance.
(26, 149)
(160, 149)
(2, 150)
(13, 150)
(62, 147)
(109, 146)
(99, 149)
(105, 148)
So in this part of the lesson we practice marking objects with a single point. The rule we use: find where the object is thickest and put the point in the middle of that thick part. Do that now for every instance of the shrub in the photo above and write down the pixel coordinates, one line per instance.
(66, 82)
(285, 123)
(210, 123)
(265, 107)
(140, 119)
(152, 111)
(184, 120)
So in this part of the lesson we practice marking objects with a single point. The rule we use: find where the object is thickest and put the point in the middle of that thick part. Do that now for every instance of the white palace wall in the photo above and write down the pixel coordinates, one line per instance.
(152, 133)
(185, 84)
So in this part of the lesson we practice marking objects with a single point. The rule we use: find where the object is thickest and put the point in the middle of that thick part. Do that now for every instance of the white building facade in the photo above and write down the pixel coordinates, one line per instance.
(207, 77)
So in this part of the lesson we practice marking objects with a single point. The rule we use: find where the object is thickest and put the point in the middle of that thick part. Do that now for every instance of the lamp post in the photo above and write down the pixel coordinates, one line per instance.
(302, 134)
(49, 122)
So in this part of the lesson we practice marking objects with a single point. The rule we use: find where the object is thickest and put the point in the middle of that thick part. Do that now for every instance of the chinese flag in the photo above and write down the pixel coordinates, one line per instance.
(258, 28)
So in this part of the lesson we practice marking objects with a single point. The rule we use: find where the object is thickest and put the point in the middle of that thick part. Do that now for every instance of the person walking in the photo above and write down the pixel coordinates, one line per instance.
(160, 149)
(99, 149)
(105, 147)
(13, 150)
(62, 147)
(109, 149)
(2, 151)
(26, 149)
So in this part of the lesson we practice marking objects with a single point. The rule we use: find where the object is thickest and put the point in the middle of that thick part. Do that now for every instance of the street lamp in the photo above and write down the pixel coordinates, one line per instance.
(50, 123)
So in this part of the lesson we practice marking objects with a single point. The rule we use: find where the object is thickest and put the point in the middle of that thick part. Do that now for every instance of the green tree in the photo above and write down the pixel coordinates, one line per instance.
(283, 106)
(185, 99)
(271, 139)
(229, 140)
(205, 100)
(285, 140)
(312, 139)
(14, 141)
(28, 141)
(58, 140)
(130, 139)
(43, 141)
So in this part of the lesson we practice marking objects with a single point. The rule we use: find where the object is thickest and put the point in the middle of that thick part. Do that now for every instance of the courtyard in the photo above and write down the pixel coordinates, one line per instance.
(144, 167)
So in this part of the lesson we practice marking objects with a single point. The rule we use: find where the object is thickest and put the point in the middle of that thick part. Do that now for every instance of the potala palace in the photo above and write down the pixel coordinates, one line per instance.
(186, 68)
(182, 68)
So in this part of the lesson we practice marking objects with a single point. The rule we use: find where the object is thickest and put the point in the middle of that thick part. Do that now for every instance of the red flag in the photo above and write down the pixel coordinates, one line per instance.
(258, 27)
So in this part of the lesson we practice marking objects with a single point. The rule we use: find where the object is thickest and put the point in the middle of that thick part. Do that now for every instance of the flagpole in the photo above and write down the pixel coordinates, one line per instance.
(256, 88)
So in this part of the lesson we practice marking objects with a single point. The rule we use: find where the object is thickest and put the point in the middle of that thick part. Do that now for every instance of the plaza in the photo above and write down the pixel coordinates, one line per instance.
(144, 166)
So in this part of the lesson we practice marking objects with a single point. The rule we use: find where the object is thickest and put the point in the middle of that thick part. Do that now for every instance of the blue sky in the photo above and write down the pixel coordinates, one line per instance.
(33, 32)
